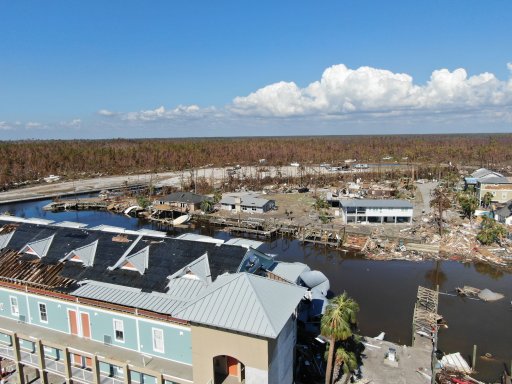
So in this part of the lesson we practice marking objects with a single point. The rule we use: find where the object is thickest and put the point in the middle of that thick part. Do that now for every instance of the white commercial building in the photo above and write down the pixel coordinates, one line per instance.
(357, 211)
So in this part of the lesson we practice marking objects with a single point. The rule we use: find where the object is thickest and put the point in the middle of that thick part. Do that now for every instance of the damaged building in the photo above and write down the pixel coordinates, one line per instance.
(111, 305)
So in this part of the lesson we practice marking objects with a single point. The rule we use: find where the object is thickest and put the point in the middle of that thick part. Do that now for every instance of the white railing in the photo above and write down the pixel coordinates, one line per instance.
(29, 358)
(6, 351)
(111, 379)
(55, 366)
(83, 375)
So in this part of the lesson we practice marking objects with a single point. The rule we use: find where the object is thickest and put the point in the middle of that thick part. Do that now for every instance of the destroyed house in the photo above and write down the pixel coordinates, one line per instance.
(185, 201)
(358, 211)
(96, 306)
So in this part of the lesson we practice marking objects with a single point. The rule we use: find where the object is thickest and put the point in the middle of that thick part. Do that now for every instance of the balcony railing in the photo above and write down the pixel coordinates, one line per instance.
(29, 358)
(81, 374)
(111, 380)
(6, 351)
(55, 366)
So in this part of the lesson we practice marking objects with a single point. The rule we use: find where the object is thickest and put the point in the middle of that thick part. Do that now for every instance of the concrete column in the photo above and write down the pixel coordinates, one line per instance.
(159, 379)
(395, 219)
(17, 358)
(127, 376)
(95, 370)
(67, 365)
(40, 355)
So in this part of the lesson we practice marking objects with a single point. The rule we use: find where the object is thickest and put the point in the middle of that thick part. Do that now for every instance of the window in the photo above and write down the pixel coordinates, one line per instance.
(15, 309)
(43, 315)
(158, 340)
(119, 330)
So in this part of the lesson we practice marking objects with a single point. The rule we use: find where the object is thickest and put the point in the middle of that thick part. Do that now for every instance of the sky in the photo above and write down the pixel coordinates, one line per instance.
(103, 69)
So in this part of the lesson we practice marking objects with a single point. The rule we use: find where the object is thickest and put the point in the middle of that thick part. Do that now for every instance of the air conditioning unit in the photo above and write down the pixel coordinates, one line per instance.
(107, 339)
(21, 319)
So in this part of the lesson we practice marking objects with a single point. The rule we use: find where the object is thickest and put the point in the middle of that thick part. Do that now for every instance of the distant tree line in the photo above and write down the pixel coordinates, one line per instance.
(22, 161)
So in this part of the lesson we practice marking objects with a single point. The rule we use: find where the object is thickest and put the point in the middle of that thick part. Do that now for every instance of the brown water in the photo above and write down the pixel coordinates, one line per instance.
(385, 290)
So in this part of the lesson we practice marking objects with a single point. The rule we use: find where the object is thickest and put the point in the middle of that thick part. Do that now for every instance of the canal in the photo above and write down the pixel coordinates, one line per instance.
(385, 290)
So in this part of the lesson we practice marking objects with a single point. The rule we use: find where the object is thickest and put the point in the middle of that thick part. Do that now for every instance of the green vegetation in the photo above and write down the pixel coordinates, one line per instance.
(469, 203)
(491, 232)
(487, 199)
(143, 202)
(338, 324)
(206, 206)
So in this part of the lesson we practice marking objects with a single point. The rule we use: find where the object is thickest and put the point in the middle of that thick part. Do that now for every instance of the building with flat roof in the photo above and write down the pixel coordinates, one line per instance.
(364, 211)
(105, 306)
(247, 203)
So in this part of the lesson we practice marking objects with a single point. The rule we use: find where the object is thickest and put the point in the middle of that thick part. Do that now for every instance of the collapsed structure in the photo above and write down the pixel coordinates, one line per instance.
(107, 304)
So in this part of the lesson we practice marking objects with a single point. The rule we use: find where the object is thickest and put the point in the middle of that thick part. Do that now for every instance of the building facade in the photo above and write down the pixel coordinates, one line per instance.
(365, 211)
(90, 306)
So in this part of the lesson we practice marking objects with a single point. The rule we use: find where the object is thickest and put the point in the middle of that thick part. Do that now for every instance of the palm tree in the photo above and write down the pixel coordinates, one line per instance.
(345, 361)
(337, 325)
(440, 202)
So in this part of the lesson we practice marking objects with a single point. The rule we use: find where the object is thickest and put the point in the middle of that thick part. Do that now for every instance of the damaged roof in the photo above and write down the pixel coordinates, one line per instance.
(154, 258)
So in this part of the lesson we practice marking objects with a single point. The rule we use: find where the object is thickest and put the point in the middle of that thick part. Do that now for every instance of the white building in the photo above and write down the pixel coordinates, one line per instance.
(246, 203)
(357, 211)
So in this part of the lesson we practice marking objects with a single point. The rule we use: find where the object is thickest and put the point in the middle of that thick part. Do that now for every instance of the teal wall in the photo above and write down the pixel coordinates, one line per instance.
(57, 313)
(6, 339)
(52, 353)
(177, 341)
(27, 345)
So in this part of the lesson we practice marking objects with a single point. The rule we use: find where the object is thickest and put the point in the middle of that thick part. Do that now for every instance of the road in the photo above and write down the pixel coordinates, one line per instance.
(175, 179)
(425, 191)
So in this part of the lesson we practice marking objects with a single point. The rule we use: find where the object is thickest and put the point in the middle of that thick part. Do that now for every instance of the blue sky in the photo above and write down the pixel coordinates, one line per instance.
(216, 68)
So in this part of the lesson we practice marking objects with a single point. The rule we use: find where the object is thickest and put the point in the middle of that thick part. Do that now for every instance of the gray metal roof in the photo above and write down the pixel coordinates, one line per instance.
(186, 288)
(86, 254)
(139, 260)
(200, 268)
(131, 297)
(5, 238)
(483, 172)
(369, 203)
(39, 247)
(245, 303)
(494, 180)
(247, 200)
(289, 271)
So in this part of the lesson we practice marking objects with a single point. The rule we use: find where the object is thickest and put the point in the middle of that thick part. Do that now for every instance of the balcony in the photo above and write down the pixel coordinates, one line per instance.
(111, 380)
(29, 358)
(81, 374)
(6, 351)
(55, 366)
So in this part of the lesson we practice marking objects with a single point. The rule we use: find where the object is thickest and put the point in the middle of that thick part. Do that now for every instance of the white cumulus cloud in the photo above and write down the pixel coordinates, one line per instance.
(106, 112)
(161, 113)
(344, 91)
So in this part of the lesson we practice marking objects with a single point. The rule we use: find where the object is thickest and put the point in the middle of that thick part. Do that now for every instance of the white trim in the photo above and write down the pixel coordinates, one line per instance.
(119, 321)
(17, 306)
(138, 333)
(39, 303)
(153, 340)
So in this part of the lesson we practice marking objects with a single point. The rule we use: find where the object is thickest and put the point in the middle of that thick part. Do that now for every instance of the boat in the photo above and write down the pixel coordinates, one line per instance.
(135, 208)
(181, 220)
